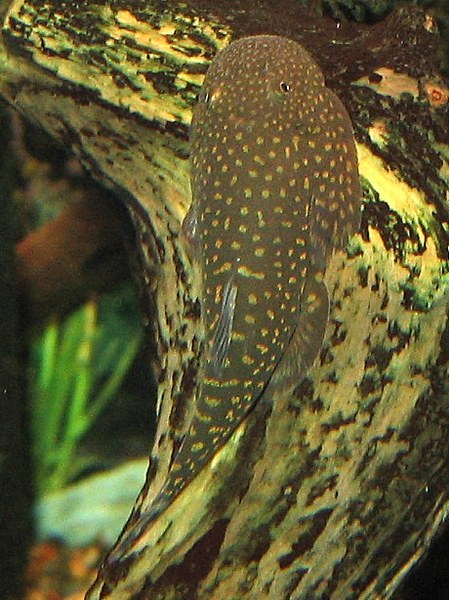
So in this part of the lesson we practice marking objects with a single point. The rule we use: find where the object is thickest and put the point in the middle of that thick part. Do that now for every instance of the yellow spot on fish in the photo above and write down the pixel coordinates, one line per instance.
(223, 269)
(250, 319)
(197, 446)
(238, 337)
(263, 349)
(246, 272)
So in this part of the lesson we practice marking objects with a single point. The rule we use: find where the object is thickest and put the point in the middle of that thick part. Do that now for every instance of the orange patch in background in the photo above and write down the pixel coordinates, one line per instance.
(57, 572)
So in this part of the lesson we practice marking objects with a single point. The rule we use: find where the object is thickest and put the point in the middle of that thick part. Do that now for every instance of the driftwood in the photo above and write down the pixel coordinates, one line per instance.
(337, 489)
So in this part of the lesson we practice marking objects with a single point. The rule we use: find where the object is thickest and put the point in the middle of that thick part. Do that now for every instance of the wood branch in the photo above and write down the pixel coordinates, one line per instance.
(334, 490)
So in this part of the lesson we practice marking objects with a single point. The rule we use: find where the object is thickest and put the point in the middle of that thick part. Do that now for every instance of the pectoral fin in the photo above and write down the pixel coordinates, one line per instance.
(308, 337)
(222, 336)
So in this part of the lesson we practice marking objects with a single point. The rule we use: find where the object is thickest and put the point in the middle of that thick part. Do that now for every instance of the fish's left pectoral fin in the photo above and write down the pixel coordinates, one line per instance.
(308, 337)
(189, 228)
(223, 332)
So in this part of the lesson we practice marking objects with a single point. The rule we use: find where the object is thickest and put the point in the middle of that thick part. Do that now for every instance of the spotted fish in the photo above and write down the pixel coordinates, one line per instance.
(275, 192)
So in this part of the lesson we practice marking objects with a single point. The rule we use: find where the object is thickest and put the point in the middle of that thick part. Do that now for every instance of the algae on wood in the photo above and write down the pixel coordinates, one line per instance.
(337, 489)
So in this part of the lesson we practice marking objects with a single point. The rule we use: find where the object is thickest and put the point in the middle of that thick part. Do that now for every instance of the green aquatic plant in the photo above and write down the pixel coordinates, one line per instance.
(77, 367)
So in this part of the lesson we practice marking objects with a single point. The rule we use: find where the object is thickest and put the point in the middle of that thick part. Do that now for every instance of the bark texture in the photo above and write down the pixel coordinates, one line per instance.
(334, 490)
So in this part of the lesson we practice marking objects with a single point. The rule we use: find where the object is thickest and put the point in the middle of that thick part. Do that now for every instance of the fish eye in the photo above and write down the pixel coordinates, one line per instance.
(203, 96)
(285, 87)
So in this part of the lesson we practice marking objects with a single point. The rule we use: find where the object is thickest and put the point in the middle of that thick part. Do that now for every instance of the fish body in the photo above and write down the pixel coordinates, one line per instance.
(275, 192)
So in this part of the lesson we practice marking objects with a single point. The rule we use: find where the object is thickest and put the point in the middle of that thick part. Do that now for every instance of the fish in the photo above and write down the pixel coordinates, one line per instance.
(276, 192)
